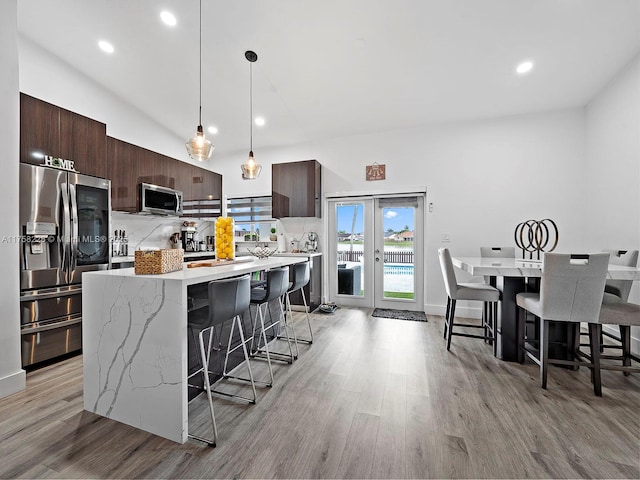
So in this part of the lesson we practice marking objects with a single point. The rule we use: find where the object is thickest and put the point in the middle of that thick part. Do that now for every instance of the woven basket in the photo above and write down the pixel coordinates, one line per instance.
(153, 262)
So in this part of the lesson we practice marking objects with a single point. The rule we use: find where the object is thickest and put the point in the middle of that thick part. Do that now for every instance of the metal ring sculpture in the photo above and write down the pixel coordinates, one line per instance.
(535, 235)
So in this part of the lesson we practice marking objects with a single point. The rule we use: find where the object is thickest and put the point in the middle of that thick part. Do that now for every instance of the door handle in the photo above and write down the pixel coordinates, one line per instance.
(74, 228)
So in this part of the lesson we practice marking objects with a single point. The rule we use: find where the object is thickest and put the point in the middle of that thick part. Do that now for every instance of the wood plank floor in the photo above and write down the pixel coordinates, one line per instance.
(371, 398)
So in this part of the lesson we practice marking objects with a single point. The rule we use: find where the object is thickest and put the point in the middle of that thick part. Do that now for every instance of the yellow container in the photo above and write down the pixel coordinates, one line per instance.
(225, 244)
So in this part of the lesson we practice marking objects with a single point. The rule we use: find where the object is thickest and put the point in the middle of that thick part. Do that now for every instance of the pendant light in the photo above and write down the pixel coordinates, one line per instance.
(251, 169)
(198, 147)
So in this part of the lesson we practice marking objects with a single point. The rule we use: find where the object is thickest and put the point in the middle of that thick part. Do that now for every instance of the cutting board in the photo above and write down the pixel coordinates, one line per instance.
(216, 263)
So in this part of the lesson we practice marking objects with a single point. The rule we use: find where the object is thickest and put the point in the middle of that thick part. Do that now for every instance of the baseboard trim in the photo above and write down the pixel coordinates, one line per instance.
(14, 383)
(466, 312)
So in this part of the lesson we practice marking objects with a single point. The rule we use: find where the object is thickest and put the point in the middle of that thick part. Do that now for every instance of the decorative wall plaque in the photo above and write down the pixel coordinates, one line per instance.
(376, 171)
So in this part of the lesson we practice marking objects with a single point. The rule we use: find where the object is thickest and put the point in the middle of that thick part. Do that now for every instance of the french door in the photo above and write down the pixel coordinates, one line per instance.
(376, 251)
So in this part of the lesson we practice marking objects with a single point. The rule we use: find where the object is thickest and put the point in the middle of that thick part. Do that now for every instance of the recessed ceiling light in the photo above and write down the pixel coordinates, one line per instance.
(168, 18)
(524, 67)
(105, 46)
(212, 130)
(260, 121)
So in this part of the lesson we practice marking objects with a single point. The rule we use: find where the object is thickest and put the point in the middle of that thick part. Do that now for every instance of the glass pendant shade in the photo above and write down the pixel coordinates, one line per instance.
(198, 147)
(251, 170)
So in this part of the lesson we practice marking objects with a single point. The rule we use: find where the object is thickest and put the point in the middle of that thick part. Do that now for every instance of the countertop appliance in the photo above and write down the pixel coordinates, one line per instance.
(65, 222)
(159, 200)
(311, 244)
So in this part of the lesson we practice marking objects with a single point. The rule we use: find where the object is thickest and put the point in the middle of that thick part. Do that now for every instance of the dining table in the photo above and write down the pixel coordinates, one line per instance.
(512, 276)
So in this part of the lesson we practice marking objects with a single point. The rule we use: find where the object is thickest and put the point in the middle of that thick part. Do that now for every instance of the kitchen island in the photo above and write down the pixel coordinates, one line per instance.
(134, 341)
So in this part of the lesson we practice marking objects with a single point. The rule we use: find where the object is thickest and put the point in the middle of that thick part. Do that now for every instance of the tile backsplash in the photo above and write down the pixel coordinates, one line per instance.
(296, 229)
(150, 231)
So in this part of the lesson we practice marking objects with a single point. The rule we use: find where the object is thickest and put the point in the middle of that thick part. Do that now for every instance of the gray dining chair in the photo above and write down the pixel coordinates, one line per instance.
(480, 292)
(625, 315)
(571, 290)
(618, 290)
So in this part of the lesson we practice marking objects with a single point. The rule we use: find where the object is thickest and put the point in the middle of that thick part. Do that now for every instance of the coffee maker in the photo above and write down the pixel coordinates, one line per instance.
(188, 236)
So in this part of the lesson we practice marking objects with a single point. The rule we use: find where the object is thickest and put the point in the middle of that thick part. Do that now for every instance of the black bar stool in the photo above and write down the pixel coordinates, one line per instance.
(228, 299)
(276, 287)
(301, 275)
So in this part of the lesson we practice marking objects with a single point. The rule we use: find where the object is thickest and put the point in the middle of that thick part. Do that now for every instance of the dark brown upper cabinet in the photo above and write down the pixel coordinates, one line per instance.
(123, 160)
(130, 165)
(46, 129)
(296, 189)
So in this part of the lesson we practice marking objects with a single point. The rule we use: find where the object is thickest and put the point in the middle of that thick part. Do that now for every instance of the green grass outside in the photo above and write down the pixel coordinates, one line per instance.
(398, 295)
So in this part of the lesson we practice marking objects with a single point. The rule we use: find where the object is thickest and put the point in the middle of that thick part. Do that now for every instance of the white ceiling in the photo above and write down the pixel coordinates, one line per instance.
(330, 68)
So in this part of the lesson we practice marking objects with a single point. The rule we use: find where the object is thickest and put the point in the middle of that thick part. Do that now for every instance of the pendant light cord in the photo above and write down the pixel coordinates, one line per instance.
(200, 53)
(251, 106)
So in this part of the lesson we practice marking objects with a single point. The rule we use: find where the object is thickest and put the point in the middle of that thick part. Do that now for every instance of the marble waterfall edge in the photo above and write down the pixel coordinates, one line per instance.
(133, 360)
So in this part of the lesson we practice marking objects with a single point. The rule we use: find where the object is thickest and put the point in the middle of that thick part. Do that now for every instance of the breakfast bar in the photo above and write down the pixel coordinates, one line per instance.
(134, 342)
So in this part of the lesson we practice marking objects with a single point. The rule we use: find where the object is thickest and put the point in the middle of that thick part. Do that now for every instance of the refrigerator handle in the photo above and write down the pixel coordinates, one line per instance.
(65, 235)
(74, 227)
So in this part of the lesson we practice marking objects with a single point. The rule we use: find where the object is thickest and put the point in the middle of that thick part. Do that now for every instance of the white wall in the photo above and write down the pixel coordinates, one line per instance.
(483, 177)
(613, 168)
(613, 164)
(49, 79)
(12, 377)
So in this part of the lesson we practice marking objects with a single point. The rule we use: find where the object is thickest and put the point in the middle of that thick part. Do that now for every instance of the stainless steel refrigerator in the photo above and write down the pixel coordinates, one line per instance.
(65, 221)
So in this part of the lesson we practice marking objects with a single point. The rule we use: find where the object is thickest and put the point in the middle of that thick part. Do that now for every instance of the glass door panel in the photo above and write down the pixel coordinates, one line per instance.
(93, 225)
(398, 225)
(398, 253)
(350, 229)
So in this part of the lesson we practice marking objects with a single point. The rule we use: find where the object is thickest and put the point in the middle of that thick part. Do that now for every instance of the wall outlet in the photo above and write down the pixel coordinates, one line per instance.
(445, 238)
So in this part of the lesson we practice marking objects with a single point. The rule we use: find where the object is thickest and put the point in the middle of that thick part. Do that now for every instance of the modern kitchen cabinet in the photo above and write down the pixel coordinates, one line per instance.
(129, 165)
(46, 129)
(123, 162)
(202, 192)
(296, 189)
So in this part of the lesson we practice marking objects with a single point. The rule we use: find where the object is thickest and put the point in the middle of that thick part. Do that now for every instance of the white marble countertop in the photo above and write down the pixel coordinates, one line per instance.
(191, 255)
(298, 254)
(190, 276)
(513, 267)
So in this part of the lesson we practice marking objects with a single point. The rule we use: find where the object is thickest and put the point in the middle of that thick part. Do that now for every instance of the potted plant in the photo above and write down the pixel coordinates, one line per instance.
(273, 237)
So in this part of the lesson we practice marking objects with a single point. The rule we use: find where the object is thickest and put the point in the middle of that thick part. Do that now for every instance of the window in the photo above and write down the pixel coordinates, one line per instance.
(253, 218)
(209, 208)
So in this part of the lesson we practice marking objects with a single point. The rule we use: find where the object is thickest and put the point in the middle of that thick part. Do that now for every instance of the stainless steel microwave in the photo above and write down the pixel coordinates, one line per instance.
(160, 200)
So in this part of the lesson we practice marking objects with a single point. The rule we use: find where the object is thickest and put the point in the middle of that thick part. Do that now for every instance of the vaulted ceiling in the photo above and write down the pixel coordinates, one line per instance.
(338, 67)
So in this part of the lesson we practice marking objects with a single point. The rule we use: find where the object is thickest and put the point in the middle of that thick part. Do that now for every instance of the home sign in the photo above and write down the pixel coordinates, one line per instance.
(60, 163)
